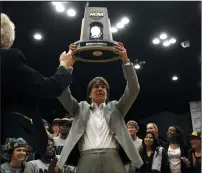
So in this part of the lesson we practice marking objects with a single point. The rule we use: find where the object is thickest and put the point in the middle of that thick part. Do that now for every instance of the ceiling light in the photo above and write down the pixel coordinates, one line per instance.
(125, 20)
(166, 43)
(137, 66)
(156, 41)
(163, 36)
(60, 8)
(119, 25)
(175, 78)
(114, 29)
(37, 36)
(172, 40)
(71, 12)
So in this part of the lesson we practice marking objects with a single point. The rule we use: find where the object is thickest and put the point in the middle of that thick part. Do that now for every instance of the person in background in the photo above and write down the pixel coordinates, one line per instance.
(22, 87)
(151, 127)
(41, 165)
(154, 156)
(16, 149)
(133, 129)
(46, 163)
(176, 149)
(45, 124)
(193, 162)
(55, 127)
(59, 141)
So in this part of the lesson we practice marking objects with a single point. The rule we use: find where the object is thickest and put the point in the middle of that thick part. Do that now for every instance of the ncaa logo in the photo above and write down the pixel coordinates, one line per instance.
(96, 15)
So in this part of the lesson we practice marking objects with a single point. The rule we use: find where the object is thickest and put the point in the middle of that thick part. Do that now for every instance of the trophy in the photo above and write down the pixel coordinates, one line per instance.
(96, 42)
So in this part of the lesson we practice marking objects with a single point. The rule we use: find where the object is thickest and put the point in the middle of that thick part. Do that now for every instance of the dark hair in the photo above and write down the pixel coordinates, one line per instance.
(44, 121)
(155, 142)
(179, 136)
(56, 121)
(92, 82)
(38, 155)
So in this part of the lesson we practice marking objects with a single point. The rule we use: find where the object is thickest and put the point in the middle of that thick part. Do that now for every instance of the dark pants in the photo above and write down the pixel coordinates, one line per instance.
(100, 161)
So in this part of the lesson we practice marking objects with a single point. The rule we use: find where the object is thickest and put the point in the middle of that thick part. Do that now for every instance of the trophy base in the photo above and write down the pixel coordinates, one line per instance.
(97, 51)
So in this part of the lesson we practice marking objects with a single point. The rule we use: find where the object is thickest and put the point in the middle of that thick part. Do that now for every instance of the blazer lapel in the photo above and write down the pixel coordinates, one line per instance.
(86, 114)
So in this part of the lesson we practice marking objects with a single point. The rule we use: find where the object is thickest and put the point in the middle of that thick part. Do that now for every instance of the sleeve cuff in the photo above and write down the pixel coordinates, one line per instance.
(70, 70)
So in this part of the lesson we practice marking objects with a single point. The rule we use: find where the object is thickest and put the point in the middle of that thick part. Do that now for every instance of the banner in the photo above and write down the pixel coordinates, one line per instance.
(195, 108)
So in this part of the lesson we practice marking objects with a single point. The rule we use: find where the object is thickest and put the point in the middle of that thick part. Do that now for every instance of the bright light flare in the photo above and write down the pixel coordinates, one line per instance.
(119, 25)
(71, 12)
(156, 41)
(172, 40)
(174, 78)
(166, 43)
(137, 66)
(163, 36)
(114, 29)
(38, 36)
(125, 20)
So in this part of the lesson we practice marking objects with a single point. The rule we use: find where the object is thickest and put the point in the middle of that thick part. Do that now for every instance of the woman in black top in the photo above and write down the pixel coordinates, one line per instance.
(193, 162)
(154, 157)
(22, 87)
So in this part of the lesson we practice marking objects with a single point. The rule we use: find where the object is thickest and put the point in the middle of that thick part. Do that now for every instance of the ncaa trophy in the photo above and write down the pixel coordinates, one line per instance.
(96, 42)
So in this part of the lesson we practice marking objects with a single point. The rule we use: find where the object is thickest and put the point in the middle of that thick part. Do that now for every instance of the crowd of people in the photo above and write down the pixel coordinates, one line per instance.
(96, 139)
(172, 155)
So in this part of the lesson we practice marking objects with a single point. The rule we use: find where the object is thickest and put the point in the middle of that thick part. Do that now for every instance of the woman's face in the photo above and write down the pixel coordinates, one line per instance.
(132, 130)
(151, 128)
(195, 143)
(19, 154)
(171, 131)
(148, 140)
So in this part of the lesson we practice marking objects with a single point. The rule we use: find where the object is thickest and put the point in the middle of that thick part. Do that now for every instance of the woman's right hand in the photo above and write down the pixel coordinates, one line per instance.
(66, 58)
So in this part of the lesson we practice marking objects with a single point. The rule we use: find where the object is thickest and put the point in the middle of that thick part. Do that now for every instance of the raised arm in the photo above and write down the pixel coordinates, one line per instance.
(66, 99)
(28, 81)
(132, 88)
(68, 102)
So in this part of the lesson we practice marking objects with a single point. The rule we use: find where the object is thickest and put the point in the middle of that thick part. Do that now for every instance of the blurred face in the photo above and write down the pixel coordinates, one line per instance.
(171, 131)
(151, 128)
(19, 154)
(55, 128)
(98, 93)
(132, 130)
(50, 151)
(64, 128)
(148, 140)
(195, 143)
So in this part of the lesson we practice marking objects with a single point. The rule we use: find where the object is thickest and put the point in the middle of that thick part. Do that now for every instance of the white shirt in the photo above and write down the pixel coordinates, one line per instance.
(58, 145)
(36, 166)
(138, 143)
(97, 134)
(174, 156)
